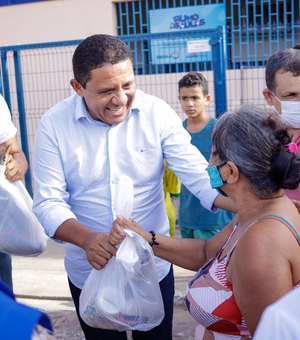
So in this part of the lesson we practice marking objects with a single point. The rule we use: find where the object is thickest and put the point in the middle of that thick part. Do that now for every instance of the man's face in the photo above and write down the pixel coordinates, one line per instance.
(109, 93)
(287, 89)
(193, 101)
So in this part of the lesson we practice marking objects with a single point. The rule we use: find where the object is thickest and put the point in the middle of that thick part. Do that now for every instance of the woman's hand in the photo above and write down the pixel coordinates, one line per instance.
(117, 235)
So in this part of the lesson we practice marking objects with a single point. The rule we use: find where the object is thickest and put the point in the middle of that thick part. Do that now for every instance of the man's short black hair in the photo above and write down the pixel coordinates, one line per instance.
(287, 60)
(94, 52)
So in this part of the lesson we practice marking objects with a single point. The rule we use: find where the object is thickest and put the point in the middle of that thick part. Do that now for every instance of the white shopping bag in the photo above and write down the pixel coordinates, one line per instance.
(125, 294)
(20, 231)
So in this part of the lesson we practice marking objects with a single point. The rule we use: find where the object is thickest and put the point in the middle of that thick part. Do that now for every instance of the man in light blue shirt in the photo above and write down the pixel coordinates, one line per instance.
(86, 142)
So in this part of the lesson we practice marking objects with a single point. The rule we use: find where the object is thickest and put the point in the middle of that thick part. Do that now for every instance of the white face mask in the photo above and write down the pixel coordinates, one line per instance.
(290, 112)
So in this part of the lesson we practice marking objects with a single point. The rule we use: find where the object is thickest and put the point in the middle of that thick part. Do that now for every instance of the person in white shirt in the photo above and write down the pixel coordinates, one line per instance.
(82, 147)
(16, 167)
(16, 163)
(281, 319)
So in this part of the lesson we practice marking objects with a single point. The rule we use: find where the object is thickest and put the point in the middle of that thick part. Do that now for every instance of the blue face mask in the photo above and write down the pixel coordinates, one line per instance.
(216, 180)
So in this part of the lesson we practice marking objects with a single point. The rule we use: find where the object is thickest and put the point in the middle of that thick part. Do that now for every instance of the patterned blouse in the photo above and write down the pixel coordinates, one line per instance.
(210, 298)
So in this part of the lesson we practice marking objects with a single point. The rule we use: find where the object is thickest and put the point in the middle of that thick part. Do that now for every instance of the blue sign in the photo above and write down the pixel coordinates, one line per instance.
(15, 2)
(184, 50)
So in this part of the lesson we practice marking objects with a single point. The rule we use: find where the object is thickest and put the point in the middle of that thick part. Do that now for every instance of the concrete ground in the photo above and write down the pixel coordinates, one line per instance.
(41, 282)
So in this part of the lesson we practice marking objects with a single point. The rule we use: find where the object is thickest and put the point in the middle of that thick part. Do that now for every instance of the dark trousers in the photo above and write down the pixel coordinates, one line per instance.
(161, 332)
(5, 269)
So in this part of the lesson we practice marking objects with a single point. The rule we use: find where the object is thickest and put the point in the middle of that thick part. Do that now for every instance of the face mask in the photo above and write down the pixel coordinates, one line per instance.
(216, 180)
(290, 112)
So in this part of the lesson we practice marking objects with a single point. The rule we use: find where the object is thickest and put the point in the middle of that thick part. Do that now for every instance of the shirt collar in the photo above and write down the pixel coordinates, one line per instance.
(80, 108)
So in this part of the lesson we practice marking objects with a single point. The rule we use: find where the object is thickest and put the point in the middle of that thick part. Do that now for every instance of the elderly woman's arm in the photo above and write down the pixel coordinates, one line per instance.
(186, 253)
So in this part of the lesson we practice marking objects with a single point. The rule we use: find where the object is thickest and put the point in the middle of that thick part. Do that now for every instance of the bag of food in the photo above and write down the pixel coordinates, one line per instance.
(125, 294)
(20, 231)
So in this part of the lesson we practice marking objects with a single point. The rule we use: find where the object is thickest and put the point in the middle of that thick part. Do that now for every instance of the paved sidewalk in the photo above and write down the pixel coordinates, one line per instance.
(41, 282)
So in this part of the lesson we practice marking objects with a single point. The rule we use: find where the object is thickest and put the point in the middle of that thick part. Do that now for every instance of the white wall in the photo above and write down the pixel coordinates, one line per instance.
(55, 20)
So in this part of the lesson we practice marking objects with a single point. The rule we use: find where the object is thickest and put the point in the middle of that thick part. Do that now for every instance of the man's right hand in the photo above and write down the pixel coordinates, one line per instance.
(99, 250)
(96, 245)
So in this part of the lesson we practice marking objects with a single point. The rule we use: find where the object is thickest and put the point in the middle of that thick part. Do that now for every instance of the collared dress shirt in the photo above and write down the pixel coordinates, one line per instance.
(78, 161)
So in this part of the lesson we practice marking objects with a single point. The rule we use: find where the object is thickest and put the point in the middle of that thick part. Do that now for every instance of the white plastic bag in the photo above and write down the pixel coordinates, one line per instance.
(20, 231)
(125, 294)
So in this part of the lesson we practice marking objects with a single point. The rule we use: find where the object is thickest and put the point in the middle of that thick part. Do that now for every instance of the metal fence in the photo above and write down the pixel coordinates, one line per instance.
(35, 77)
(255, 28)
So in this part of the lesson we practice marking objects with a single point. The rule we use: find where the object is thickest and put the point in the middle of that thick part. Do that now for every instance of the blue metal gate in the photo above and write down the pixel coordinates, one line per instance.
(25, 72)
(143, 63)
(35, 77)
